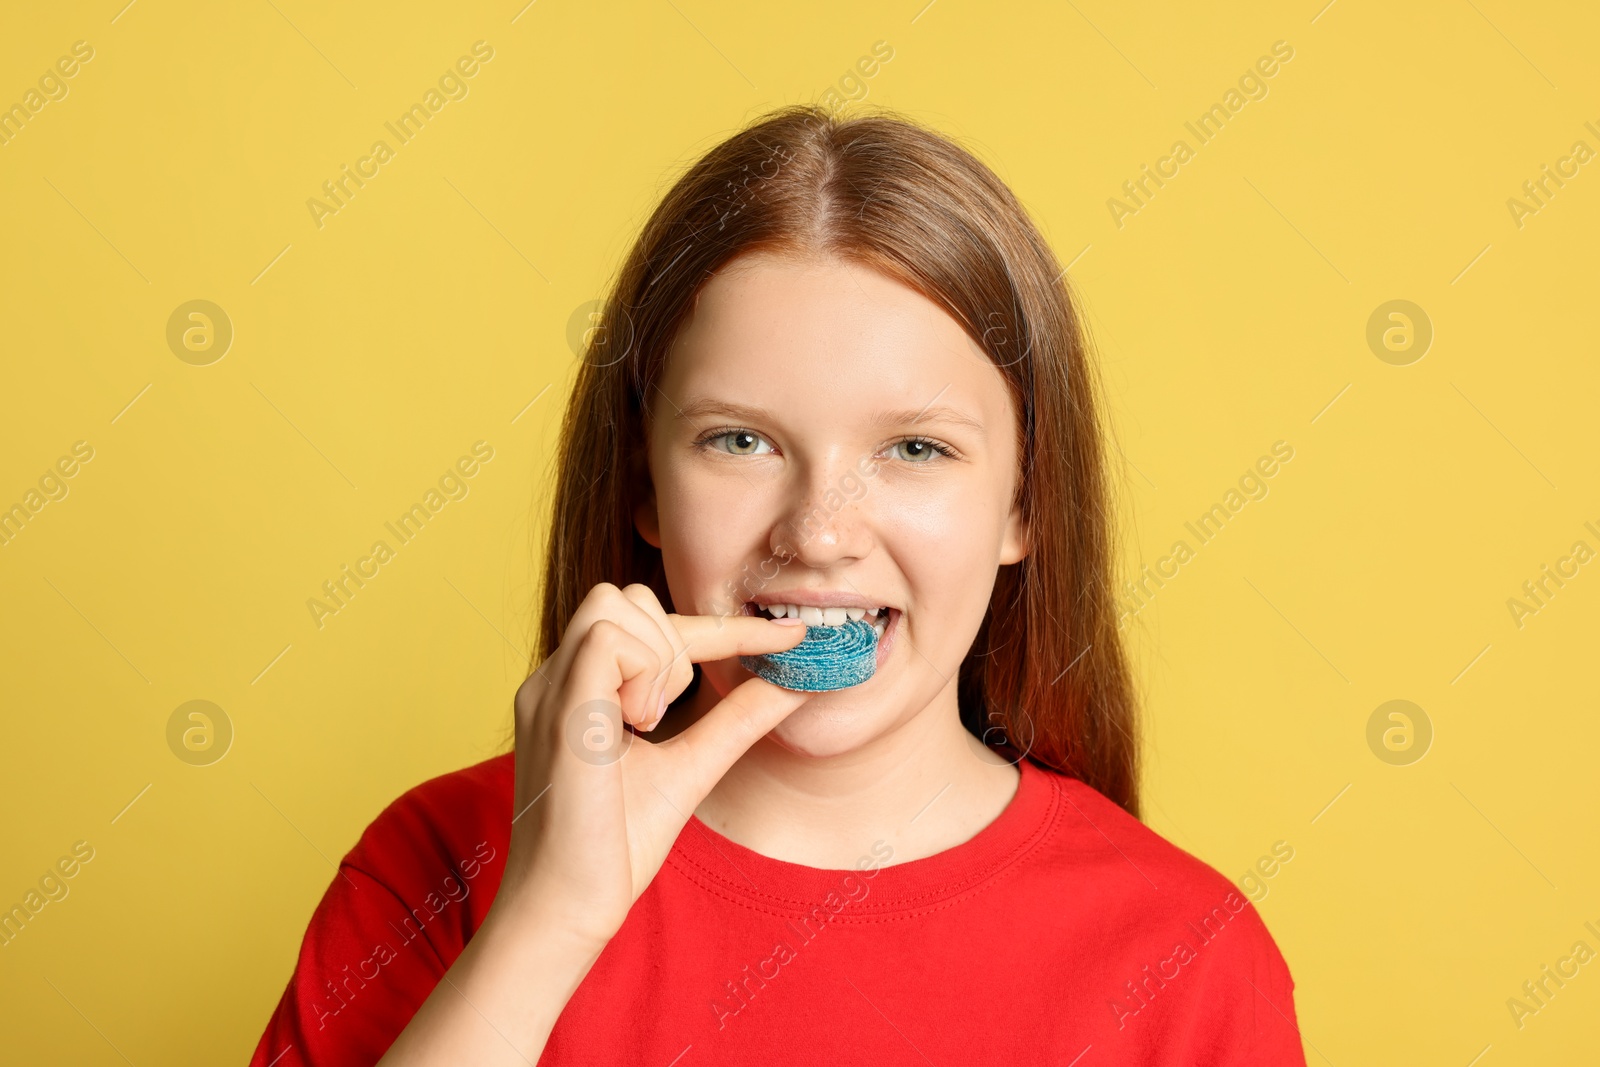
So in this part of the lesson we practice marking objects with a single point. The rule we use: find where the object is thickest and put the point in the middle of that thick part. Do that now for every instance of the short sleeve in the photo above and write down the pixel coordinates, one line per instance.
(1249, 1020)
(402, 906)
(357, 980)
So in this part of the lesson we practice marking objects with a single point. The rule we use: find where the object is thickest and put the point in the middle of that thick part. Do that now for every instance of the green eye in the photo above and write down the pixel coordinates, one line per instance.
(740, 442)
(927, 449)
(736, 442)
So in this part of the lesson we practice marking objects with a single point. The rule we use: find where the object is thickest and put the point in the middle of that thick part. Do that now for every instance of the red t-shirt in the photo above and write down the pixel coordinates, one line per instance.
(1065, 932)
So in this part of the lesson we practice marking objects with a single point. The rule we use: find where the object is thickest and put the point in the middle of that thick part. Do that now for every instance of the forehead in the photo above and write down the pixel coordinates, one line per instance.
(827, 339)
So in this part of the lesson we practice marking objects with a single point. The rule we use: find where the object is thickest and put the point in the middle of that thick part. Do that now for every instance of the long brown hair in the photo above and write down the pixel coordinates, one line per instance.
(1046, 678)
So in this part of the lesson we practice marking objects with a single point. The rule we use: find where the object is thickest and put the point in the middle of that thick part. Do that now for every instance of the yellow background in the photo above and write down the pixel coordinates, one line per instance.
(1231, 312)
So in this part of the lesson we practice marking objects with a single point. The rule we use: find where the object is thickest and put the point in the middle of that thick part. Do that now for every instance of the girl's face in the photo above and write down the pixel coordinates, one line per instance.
(820, 428)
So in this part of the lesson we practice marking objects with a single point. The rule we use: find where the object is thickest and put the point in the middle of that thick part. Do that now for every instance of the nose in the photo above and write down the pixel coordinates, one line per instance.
(827, 521)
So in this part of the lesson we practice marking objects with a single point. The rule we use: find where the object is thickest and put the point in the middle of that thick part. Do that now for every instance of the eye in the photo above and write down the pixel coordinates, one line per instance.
(735, 441)
(924, 449)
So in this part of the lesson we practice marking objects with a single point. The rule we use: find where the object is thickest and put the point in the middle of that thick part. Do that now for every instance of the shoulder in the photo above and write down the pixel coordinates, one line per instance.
(441, 824)
(1144, 881)
(1092, 827)
(404, 901)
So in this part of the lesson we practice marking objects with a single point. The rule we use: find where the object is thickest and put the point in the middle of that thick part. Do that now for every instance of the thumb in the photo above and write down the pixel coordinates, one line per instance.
(739, 720)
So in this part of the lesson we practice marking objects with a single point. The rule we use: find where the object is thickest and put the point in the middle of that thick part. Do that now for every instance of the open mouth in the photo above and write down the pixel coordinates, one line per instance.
(882, 619)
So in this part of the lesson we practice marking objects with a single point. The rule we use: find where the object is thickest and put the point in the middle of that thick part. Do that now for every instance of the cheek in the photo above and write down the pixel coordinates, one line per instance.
(709, 535)
(936, 536)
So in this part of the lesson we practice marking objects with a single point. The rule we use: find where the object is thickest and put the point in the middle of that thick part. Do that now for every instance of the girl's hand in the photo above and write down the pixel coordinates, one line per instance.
(597, 809)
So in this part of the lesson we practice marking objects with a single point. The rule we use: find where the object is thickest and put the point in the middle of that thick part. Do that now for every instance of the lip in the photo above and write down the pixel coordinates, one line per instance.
(886, 643)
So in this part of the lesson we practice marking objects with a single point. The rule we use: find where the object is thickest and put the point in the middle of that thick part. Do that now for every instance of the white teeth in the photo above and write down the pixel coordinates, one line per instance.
(811, 616)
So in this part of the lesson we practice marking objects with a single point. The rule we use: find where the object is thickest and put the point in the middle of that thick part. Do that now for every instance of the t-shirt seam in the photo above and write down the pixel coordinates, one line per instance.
(1049, 824)
(427, 937)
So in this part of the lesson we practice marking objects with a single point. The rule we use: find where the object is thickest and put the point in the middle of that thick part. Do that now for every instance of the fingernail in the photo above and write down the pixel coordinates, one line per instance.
(788, 622)
(662, 710)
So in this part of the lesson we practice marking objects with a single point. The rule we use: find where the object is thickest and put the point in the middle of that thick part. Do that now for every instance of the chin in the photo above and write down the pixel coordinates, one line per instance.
(818, 731)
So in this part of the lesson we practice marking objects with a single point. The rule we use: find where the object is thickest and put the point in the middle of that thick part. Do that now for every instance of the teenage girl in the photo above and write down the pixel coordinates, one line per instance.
(840, 376)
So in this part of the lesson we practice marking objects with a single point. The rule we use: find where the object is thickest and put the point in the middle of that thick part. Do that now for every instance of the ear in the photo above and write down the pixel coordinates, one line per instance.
(646, 521)
(644, 491)
(1014, 546)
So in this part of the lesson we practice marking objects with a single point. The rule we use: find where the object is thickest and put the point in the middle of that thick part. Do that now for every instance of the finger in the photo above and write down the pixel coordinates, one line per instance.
(723, 734)
(676, 671)
(641, 614)
(603, 601)
(714, 637)
(614, 666)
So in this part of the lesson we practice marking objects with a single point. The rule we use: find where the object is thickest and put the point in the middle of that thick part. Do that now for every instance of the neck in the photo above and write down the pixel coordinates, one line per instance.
(923, 787)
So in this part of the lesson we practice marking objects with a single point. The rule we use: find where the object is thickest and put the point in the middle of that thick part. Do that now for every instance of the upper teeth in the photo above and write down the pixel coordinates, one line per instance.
(827, 616)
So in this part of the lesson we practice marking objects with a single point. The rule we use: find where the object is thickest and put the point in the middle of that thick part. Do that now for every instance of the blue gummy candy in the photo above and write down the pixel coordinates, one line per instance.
(830, 657)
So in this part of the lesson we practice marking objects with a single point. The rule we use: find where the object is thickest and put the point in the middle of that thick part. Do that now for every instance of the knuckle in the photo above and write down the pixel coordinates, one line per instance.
(604, 593)
(603, 632)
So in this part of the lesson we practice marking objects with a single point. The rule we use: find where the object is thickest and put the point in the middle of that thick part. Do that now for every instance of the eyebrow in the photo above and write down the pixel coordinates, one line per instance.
(704, 406)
